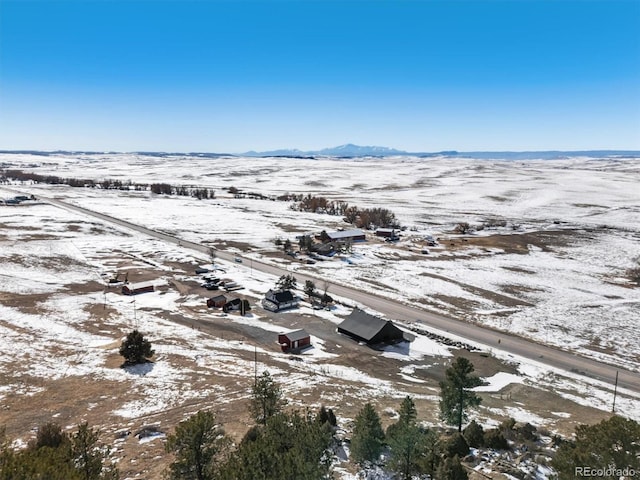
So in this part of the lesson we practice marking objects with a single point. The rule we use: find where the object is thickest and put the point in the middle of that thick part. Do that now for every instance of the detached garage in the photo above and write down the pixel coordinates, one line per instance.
(294, 341)
(370, 329)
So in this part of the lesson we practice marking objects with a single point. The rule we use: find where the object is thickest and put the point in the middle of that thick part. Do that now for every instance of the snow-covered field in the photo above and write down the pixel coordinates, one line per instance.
(570, 289)
(573, 292)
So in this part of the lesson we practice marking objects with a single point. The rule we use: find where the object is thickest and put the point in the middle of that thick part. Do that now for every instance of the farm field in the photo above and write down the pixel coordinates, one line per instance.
(552, 258)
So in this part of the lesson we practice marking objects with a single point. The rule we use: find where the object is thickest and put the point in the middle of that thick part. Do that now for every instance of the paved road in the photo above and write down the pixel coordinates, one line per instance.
(511, 344)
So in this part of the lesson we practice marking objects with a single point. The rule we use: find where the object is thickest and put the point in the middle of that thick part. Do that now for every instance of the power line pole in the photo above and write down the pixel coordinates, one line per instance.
(255, 366)
(615, 393)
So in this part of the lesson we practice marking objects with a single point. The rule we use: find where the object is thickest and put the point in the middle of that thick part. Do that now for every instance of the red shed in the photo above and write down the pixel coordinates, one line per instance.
(136, 288)
(294, 341)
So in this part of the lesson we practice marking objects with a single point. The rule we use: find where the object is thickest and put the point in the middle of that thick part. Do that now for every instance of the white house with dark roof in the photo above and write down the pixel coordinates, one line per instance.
(276, 300)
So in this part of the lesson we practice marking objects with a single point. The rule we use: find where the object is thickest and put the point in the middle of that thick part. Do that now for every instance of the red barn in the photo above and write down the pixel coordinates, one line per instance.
(294, 341)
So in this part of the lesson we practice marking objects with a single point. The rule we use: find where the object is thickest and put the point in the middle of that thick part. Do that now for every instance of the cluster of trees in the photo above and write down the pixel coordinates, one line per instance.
(279, 445)
(368, 217)
(360, 217)
(611, 446)
(58, 455)
(287, 282)
(315, 204)
(183, 190)
(412, 449)
(110, 184)
(106, 184)
(301, 444)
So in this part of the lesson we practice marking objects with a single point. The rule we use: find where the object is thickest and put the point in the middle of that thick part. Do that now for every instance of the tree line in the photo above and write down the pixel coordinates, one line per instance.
(109, 184)
(360, 217)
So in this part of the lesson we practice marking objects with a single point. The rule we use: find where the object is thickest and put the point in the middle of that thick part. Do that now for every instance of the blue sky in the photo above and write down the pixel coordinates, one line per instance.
(231, 76)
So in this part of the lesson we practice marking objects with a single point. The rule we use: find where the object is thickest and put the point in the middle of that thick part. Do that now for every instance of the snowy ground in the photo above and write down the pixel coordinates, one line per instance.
(574, 293)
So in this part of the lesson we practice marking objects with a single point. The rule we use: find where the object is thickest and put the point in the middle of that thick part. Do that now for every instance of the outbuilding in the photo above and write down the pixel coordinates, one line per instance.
(355, 235)
(218, 301)
(372, 330)
(386, 232)
(294, 341)
(137, 288)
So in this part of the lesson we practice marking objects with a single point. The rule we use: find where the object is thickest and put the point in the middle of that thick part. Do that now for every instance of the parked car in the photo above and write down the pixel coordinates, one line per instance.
(237, 260)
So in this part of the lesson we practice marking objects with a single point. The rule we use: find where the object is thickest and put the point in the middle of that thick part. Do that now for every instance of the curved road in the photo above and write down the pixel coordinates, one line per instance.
(511, 344)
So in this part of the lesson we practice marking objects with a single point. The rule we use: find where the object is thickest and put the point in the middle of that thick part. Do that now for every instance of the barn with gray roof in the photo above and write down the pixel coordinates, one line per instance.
(370, 329)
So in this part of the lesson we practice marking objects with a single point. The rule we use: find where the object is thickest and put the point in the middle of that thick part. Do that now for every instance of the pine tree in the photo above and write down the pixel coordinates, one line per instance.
(287, 282)
(287, 446)
(451, 469)
(199, 444)
(474, 434)
(136, 349)
(56, 455)
(456, 394)
(408, 441)
(309, 288)
(88, 457)
(266, 398)
(368, 436)
(611, 443)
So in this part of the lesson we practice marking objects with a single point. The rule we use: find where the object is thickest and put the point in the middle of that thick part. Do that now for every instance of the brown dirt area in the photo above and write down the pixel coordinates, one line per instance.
(70, 400)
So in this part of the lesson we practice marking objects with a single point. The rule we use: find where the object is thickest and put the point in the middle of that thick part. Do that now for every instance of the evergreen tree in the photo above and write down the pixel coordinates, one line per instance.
(287, 446)
(55, 455)
(368, 436)
(456, 445)
(88, 457)
(309, 288)
(287, 282)
(266, 398)
(451, 469)
(474, 434)
(135, 348)
(408, 442)
(456, 394)
(612, 443)
(199, 445)
(49, 435)
(287, 245)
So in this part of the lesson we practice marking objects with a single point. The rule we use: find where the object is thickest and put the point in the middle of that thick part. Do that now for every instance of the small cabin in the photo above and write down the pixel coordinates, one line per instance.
(294, 341)
(137, 288)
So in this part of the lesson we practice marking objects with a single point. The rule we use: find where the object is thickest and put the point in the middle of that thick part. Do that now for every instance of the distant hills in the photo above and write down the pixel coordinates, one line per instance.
(350, 150)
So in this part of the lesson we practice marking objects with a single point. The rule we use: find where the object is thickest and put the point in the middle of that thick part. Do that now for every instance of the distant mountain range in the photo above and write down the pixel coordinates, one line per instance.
(353, 151)
(350, 150)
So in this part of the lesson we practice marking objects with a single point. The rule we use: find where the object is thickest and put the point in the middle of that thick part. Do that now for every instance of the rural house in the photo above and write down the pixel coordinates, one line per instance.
(137, 288)
(294, 341)
(370, 329)
(277, 300)
(218, 301)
